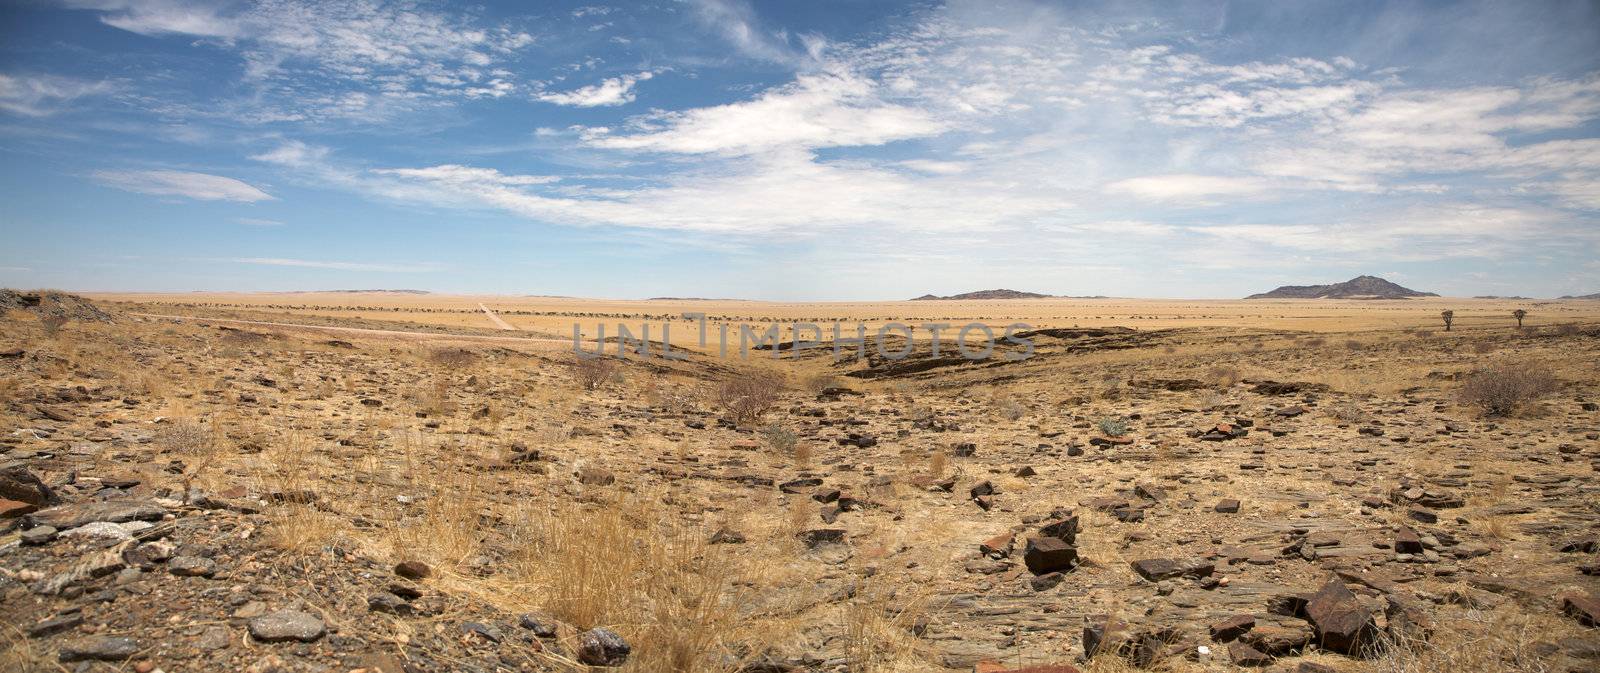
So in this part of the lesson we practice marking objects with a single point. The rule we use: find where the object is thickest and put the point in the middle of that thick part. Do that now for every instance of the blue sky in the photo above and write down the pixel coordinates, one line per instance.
(799, 150)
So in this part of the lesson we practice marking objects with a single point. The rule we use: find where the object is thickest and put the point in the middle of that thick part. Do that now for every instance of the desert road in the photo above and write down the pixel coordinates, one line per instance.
(496, 319)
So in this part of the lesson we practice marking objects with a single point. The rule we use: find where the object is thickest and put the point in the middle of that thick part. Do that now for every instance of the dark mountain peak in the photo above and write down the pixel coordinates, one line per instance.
(985, 294)
(1360, 287)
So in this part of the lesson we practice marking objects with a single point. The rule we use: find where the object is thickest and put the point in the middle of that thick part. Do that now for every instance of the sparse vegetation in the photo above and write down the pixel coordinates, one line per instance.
(748, 395)
(592, 372)
(1509, 387)
(1113, 426)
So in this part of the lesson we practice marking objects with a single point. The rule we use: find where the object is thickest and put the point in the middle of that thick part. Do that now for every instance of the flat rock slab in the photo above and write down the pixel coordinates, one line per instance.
(285, 625)
(99, 648)
(83, 513)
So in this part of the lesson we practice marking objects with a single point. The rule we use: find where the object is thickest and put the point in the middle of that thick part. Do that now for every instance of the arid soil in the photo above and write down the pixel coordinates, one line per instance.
(185, 495)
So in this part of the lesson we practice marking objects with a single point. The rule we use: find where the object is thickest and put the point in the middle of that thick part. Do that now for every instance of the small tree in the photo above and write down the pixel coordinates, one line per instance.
(1449, 316)
(1519, 314)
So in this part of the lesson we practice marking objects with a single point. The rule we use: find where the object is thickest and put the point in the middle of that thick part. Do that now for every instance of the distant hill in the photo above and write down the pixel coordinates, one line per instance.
(1497, 296)
(985, 294)
(1582, 296)
(1360, 287)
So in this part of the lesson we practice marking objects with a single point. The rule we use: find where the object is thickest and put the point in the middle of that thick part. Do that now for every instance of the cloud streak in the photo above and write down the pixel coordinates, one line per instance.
(198, 186)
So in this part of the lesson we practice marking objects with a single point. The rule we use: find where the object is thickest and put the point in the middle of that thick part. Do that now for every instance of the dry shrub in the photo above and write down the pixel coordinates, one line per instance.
(1354, 345)
(749, 395)
(780, 439)
(593, 372)
(1483, 347)
(1316, 342)
(52, 324)
(1568, 329)
(1506, 388)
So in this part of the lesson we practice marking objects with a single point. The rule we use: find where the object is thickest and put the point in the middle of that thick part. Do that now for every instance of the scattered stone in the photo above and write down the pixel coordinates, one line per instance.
(285, 625)
(191, 566)
(99, 648)
(1228, 506)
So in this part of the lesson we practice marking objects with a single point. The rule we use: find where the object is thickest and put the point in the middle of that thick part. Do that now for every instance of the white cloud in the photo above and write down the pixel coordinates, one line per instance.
(818, 110)
(257, 222)
(164, 17)
(464, 175)
(43, 95)
(201, 186)
(423, 267)
(736, 21)
(609, 92)
(1187, 187)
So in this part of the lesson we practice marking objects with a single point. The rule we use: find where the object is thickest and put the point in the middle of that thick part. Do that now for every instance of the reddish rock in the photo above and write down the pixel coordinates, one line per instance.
(1232, 627)
(412, 570)
(10, 509)
(1585, 609)
(1406, 541)
(1343, 625)
(1228, 506)
(998, 545)
(1245, 655)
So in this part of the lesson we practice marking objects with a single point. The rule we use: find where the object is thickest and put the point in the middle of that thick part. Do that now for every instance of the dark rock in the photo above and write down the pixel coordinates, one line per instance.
(1046, 581)
(820, 536)
(1157, 569)
(1228, 506)
(412, 570)
(1343, 625)
(18, 483)
(99, 648)
(385, 601)
(602, 647)
(1232, 627)
(1045, 555)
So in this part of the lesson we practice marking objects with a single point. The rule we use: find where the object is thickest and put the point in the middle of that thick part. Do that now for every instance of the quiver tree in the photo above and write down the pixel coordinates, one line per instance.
(1519, 314)
(1449, 317)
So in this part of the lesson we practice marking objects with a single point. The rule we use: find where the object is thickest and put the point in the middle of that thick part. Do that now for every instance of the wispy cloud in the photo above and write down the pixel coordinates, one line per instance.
(609, 92)
(369, 59)
(43, 95)
(257, 222)
(201, 186)
(421, 267)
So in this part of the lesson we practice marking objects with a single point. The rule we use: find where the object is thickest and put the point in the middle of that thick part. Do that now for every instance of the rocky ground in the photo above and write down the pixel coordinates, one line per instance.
(191, 497)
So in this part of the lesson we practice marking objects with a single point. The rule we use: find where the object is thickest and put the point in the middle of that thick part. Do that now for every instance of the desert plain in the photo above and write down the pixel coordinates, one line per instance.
(404, 482)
